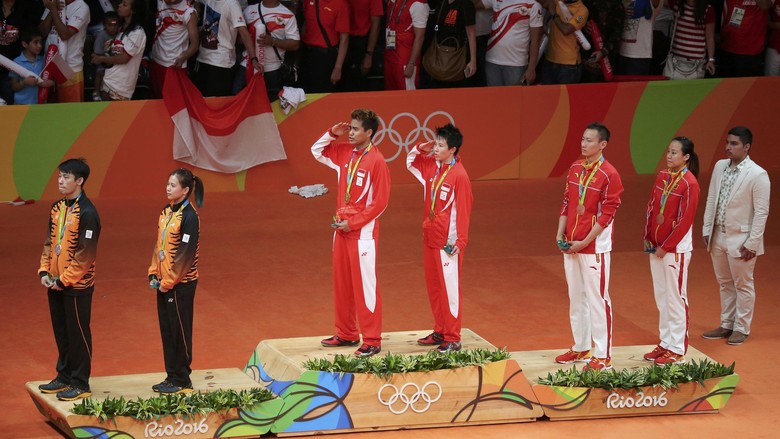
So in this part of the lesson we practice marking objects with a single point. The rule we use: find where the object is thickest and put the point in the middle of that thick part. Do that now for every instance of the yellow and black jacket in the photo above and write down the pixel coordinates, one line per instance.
(181, 247)
(74, 267)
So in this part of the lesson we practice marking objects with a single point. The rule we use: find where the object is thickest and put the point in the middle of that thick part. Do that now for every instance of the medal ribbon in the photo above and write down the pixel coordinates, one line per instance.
(436, 187)
(670, 186)
(168, 222)
(61, 223)
(595, 165)
(351, 169)
(401, 11)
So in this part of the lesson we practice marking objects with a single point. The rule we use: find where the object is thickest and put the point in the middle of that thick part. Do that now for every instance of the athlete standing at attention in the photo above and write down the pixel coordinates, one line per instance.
(584, 235)
(174, 274)
(363, 194)
(67, 270)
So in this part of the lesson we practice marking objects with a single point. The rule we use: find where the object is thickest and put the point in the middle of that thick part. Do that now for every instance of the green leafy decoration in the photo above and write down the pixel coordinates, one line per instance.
(666, 377)
(387, 365)
(179, 405)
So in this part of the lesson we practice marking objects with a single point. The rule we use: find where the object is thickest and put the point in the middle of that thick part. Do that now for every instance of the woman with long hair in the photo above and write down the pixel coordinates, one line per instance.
(669, 240)
(124, 56)
(174, 274)
(693, 40)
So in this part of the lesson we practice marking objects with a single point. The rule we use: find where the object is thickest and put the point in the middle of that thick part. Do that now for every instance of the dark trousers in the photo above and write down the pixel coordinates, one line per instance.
(352, 78)
(273, 82)
(479, 79)
(553, 73)
(6, 92)
(213, 80)
(70, 317)
(633, 66)
(731, 65)
(175, 311)
(316, 67)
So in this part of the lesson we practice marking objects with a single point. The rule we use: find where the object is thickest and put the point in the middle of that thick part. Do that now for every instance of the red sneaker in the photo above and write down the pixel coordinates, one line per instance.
(657, 352)
(597, 363)
(669, 357)
(434, 338)
(336, 341)
(367, 350)
(573, 356)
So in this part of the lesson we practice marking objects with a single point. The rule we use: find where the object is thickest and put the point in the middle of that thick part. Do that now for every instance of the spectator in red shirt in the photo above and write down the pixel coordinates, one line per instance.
(743, 37)
(326, 40)
(404, 34)
(364, 18)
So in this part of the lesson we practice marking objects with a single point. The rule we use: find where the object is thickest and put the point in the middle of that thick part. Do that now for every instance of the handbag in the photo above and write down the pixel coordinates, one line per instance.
(442, 62)
(681, 68)
(288, 71)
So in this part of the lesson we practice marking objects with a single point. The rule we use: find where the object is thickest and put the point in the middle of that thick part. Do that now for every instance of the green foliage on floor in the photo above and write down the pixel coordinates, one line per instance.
(181, 405)
(386, 365)
(669, 376)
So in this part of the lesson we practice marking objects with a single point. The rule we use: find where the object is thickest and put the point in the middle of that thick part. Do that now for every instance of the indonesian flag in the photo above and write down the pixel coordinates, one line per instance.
(229, 135)
(56, 66)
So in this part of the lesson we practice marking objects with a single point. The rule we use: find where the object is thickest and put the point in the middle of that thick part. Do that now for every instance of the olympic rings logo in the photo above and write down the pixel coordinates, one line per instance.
(419, 400)
(420, 132)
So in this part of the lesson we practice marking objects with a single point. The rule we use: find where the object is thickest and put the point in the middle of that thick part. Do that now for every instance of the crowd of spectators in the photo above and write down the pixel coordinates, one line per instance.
(119, 50)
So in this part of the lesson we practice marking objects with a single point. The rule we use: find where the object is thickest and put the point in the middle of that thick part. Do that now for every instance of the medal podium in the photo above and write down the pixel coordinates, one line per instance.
(313, 402)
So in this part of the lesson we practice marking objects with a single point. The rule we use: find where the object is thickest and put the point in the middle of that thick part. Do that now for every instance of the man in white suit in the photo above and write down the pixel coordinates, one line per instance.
(734, 221)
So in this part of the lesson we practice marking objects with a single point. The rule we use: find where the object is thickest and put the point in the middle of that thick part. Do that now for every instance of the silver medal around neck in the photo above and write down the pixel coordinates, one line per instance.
(161, 255)
(57, 249)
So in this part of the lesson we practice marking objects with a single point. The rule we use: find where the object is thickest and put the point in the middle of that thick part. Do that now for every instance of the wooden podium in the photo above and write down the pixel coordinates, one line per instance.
(313, 402)
(324, 402)
(570, 403)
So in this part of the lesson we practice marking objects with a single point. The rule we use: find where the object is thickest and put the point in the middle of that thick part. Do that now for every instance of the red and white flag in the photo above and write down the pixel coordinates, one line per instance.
(56, 66)
(234, 135)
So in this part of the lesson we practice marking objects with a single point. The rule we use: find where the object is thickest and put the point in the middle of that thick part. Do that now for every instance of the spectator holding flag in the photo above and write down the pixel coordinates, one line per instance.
(26, 89)
(175, 40)
(125, 53)
(67, 31)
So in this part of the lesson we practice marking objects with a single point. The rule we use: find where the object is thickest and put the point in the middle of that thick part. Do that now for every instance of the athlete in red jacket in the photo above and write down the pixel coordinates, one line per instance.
(446, 216)
(363, 194)
(591, 198)
(669, 238)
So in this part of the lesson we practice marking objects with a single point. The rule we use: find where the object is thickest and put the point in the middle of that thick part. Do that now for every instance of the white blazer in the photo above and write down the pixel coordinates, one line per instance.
(747, 208)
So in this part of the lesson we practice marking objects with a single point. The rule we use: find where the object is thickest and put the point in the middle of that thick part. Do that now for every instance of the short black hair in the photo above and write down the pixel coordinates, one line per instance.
(744, 134)
(29, 33)
(367, 118)
(601, 129)
(110, 15)
(452, 135)
(76, 167)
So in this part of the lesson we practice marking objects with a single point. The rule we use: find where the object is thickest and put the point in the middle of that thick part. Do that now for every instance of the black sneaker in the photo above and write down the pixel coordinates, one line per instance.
(449, 346)
(73, 393)
(336, 341)
(434, 338)
(53, 386)
(367, 350)
(170, 388)
(163, 384)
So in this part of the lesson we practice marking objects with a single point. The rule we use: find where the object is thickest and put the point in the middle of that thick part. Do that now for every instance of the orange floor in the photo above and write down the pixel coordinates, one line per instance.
(265, 273)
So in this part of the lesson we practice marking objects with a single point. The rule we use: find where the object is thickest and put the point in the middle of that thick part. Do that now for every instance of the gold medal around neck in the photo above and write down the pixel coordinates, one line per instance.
(580, 209)
(57, 249)
(161, 255)
(659, 219)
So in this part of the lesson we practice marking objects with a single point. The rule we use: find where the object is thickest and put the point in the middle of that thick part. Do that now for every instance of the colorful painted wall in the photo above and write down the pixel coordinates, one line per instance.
(510, 132)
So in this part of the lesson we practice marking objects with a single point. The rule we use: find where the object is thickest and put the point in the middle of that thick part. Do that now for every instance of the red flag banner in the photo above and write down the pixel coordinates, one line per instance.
(227, 135)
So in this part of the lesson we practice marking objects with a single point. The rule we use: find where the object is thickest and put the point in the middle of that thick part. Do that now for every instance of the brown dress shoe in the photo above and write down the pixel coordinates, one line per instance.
(737, 338)
(717, 333)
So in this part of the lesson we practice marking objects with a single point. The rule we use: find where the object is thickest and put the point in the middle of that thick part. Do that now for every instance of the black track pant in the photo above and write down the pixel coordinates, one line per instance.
(175, 311)
(70, 316)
